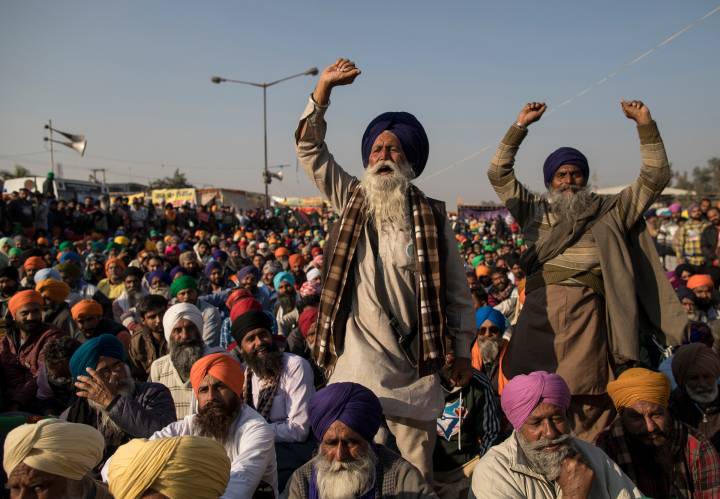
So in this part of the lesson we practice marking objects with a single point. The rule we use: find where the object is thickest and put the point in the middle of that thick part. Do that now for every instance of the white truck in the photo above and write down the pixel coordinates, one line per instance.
(63, 188)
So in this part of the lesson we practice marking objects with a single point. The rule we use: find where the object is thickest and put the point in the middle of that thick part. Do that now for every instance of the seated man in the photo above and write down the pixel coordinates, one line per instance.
(55, 390)
(129, 298)
(148, 343)
(541, 459)
(56, 457)
(182, 324)
(489, 344)
(90, 323)
(286, 313)
(9, 285)
(56, 312)
(217, 380)
(279, 386)
(184, 289)
(695, 401)
(110, 400)
(175, 467)
(663, 456)
(21, 350)
(345, 418)
(248, 278)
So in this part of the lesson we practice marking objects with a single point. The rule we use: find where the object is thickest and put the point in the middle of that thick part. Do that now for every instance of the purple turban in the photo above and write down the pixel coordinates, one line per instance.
(212, 266)
(249, 270)
(525, 392)
(219, 254)
(353, 404)
(175, 271)
(163, 276)
(564, 156)
(409, 132)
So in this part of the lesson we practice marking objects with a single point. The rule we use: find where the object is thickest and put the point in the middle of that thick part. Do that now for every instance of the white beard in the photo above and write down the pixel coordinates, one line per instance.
(347, 479)
(548, 464)
(705, 397)
(386, 195)
(568, 207)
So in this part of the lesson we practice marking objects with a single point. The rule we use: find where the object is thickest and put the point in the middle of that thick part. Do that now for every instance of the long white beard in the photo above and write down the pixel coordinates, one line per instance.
(546, 463)
(346, 479)
(386, 195)
(489, 349)
(703, 397)
(568, 207)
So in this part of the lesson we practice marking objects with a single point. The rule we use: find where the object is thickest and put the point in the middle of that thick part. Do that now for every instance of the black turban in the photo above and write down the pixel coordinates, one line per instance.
(409, 132)
(249, 321)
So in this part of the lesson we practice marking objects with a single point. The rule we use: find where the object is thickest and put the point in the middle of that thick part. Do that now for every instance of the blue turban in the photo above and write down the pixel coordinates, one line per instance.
(283, 276)
(212, 265)
(160, 274)
(409, 132)
(105, 345)
(490, 314)
(353, 404)
(564, 156)
(70, 256)
(249, 270)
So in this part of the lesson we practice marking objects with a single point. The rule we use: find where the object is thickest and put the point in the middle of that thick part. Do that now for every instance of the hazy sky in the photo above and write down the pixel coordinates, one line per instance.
(134, 77)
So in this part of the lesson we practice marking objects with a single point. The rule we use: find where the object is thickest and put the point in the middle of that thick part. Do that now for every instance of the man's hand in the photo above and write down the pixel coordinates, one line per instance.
(459, 372)
(531, 113)
(342, 72)
(94, 388)
(636, 111)
(575, 478)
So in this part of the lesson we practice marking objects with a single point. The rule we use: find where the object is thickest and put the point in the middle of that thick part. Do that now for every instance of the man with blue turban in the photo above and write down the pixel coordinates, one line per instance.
(345, 417)
(594, 280)
(394, 296)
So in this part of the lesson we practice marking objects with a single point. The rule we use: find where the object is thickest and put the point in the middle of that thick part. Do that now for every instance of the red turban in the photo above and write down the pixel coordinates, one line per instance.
(699, 281)
(85, 308)
(295, 259)
(236, 296)
(307, 320)
(220, 366)
(34, 263)
(244, 305)
(22, 298)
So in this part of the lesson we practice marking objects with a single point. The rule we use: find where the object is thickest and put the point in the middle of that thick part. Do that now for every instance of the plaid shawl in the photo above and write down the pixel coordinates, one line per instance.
(427, 281)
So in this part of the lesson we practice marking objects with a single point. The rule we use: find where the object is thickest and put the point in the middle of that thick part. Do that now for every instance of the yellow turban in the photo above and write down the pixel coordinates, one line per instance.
(53, 289)
(179, 467)
(70, 450)
(638, 384)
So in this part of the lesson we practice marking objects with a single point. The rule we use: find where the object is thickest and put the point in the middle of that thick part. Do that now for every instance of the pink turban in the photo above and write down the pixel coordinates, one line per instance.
(525, 392)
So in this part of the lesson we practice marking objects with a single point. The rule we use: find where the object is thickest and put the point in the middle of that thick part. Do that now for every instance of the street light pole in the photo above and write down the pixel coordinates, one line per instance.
(266, 174)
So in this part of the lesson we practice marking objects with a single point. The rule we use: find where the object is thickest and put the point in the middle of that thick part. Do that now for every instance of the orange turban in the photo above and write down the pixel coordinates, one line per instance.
(281, 252)
(53, 289)
(22, 298)
(699, 281)
(34, 263)
(639, 384)
(117, 261)
(85, 308)
(220, 366)
(295, 259)
(482, 271)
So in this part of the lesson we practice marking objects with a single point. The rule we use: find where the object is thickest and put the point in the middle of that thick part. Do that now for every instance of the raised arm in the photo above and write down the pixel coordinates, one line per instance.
(515, 196)
(655, 173)
(312, 152)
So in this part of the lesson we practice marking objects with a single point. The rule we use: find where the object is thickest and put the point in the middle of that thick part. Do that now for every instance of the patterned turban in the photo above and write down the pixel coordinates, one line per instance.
(639, 384)
(22, 298)
(220, 366)
(351, 403)
(409, 132)
(525, 392)
(693, 358)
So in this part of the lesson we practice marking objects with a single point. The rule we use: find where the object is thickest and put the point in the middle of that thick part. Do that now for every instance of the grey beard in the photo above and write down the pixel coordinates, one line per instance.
(704, 397)
(489, 349)
(546, 463)
(345, 479)
(566, 207)
(114, 435)
(183, 356)
(386, 195)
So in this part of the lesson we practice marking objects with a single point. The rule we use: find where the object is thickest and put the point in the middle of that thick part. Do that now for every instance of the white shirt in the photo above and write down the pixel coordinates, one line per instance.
(289, 415)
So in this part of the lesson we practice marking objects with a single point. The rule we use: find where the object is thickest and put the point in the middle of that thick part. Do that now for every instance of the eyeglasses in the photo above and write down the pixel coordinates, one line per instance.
(486, 331)
(105, 372)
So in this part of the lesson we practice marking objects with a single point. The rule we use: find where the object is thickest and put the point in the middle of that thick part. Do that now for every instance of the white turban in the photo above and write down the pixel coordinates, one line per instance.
(69, 450)
(312, 274)
(181, 311)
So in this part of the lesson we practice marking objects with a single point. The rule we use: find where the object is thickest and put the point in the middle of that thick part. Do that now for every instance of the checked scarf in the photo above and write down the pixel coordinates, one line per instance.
(427, 281)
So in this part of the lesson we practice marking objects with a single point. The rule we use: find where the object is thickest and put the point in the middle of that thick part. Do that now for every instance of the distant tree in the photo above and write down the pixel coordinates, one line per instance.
(704, 180)
(20, 171)
(177, 181)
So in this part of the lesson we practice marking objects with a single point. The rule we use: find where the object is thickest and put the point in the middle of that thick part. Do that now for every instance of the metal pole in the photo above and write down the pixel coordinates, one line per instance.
(265, 176)
(52, 157)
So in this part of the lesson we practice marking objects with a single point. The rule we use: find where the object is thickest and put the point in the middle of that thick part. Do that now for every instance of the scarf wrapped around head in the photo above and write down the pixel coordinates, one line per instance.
(564, 156)
(695, 357)
(186, 467)
(70, 450)
(181, 311)
(87, 355)
(409, 132)
(220, 366)
(53, 290)
(525, 392)
(639, 384)
(22, 298)
(34, 263)
(182, 283)
(283, 276)
(351, 403)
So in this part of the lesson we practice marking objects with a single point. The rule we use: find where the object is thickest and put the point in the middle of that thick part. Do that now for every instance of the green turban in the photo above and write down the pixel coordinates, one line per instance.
(184, 282)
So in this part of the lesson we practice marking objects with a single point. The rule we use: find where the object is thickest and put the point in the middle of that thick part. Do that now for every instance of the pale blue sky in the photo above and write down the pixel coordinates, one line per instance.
(134, 77)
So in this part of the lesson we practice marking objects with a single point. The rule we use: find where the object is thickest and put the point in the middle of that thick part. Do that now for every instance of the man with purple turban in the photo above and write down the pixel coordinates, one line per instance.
(594, 282)
(541, 458)
(394, 295)
(345, 417)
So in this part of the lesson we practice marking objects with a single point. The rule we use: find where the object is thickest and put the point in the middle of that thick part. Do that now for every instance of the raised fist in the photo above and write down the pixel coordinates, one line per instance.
(343, 72)
(531, 113)
(636, 111)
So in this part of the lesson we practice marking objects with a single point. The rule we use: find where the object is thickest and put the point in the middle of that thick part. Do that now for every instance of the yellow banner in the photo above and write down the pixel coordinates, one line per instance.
(176, 197)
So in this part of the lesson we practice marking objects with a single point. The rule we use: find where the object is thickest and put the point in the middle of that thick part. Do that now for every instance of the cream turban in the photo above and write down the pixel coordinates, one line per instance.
(66, 449)
(179, 467)
(181, 311)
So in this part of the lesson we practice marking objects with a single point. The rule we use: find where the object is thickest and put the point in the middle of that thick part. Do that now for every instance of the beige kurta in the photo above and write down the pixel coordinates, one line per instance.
(385, 282)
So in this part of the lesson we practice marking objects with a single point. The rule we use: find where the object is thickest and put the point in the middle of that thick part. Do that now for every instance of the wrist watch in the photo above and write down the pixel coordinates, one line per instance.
(520, 125)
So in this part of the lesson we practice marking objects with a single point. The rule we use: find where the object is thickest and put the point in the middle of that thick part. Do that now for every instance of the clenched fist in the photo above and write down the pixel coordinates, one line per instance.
(342, 72)
(575, 478)
(531, 113)
(636, 111)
